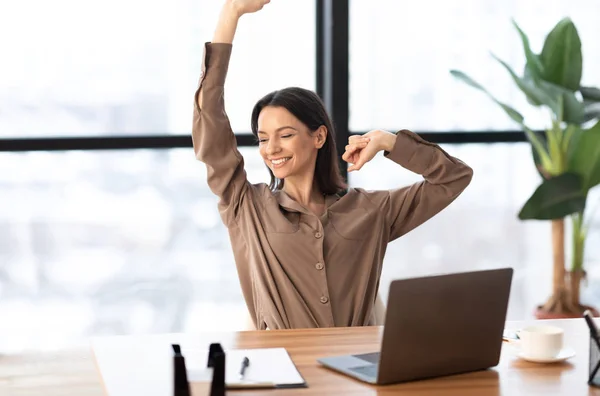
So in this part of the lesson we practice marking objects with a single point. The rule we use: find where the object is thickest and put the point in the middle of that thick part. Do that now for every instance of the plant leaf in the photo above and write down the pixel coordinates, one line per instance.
(535, 95)
(561, 55)
(540, 92)
(571, 132)
(591, 94)
(584, 160)
(573, 109)
(537, 160)
(534, 64)
(573, 144)
(555, 198)
(554, 136)
(573, 112)
(513, 114)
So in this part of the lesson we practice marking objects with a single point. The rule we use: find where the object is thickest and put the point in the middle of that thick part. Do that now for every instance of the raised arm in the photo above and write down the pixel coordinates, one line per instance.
(444, 177)
(213, 139)
(230, 14)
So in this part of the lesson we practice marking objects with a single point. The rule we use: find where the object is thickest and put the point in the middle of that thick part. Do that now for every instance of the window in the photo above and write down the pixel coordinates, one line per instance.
(401, 53)
(131, 242)
(117, 242)
(125, 242)
(130, 67)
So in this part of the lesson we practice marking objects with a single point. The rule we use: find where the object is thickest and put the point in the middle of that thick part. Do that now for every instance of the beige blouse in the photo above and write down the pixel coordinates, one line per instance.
(296, 269)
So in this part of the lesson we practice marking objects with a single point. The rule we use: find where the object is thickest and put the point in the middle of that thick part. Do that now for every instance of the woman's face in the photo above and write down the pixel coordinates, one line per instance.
(287, 146)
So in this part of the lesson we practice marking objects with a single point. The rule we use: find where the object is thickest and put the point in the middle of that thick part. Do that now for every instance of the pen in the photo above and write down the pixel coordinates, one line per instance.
(245, 364)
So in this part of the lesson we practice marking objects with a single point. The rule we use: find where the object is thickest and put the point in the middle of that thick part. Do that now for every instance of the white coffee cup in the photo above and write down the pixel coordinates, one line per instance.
(541, 341)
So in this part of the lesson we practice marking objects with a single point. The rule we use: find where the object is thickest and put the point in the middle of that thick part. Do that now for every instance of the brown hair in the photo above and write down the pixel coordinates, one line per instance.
(308, 107)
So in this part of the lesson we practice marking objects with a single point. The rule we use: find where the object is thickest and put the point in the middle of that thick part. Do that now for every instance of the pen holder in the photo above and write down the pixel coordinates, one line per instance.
(594, 363)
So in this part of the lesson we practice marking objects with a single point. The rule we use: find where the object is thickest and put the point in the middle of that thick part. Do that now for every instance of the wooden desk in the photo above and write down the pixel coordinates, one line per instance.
(73, 372)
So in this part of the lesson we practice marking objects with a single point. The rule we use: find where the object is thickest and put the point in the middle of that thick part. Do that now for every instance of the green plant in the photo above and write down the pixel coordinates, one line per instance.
(566, 154)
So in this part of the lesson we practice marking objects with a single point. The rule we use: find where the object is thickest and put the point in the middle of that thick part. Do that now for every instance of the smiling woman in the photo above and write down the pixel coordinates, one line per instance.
(308, 250)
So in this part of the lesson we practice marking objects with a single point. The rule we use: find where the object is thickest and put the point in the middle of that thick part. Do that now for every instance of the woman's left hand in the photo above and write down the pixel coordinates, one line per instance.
(362, 149)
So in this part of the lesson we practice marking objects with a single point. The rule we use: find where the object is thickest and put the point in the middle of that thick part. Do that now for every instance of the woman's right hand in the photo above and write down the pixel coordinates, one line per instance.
(230, 15)
(248, 6)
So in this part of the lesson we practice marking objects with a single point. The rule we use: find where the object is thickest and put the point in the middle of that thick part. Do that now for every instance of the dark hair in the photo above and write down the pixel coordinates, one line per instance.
(307, 107)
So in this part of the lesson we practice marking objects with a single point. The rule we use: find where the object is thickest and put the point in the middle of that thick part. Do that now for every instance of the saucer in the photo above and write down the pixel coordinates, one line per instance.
(564, 354)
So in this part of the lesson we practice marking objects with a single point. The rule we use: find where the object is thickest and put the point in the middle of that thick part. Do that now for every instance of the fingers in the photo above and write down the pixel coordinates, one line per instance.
(349, 151)
(360, 161)
(355, 143)
(358, 138)
(353, 148)
(361, 157)
(355, 167)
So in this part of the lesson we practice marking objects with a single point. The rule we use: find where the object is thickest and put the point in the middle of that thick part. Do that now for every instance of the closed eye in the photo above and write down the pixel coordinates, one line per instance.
(282, 136)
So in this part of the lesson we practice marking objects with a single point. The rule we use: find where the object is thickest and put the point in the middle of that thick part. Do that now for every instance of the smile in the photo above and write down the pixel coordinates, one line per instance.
(280, 161)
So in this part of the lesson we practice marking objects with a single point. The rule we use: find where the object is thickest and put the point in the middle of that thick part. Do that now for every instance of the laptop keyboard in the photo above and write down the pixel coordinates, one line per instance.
(369, 357)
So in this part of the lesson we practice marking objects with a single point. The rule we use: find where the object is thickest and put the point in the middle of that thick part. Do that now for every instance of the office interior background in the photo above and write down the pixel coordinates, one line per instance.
(107, 225)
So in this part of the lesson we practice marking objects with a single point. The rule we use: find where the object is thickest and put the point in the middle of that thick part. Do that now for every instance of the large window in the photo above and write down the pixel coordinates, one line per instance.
(113, 243)
(401, 53)
(130, 67)
(121, 242)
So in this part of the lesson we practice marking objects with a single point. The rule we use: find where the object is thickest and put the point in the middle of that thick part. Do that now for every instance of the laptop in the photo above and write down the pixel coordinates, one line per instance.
(435, 326)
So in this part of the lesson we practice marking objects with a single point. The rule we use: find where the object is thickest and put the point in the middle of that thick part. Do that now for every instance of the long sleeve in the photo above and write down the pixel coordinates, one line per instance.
(213, 140)
(445, 177)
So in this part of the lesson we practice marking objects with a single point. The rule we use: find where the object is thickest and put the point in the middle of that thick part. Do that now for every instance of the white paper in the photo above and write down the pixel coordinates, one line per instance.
(268, 367)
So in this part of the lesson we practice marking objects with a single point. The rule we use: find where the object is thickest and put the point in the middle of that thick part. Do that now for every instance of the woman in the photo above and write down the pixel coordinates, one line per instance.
(308, 250)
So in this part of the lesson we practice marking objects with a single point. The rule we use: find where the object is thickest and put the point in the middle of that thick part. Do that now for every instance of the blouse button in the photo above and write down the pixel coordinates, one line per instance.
(318, 235)
(319, 266)
(324, 300)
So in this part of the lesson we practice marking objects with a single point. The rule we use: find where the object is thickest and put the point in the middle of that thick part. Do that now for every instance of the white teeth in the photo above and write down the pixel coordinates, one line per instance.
(279, 161)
